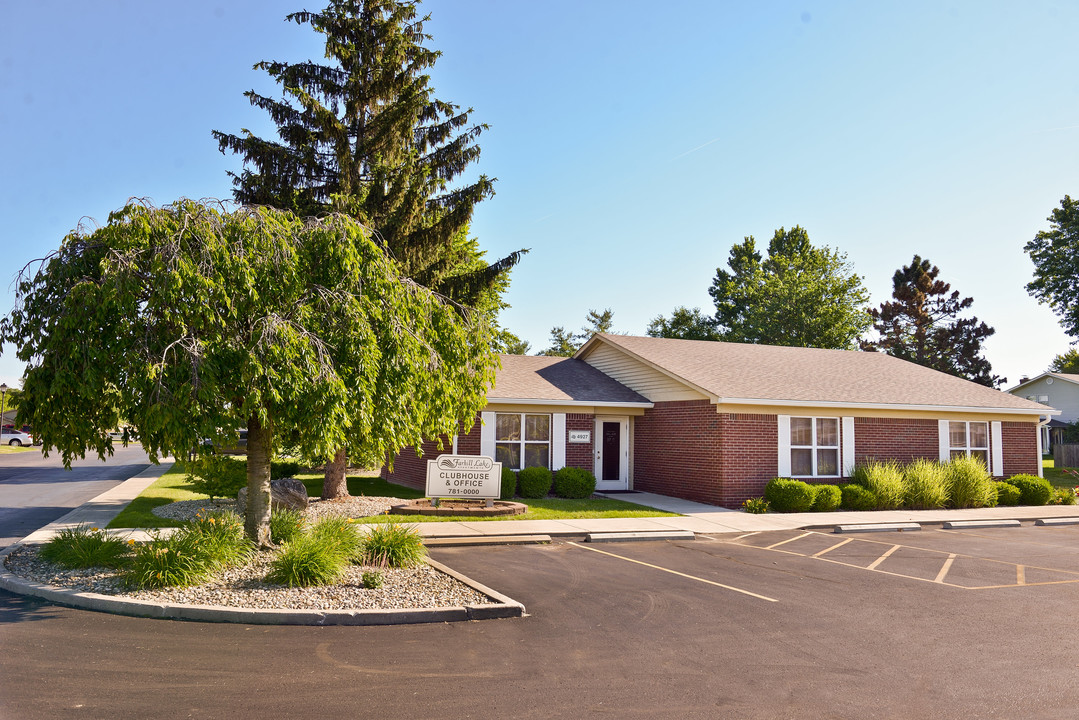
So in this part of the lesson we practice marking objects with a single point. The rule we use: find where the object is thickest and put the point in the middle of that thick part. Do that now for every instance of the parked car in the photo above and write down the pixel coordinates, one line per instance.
(15, 437)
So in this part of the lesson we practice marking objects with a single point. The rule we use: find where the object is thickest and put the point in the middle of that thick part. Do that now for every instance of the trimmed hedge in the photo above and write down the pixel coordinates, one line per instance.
(534, 482)
(574, 482)
(1007, 494)
(509, 484)
(856, 497)
(785, 495)
(827, 498)
(1033, 490)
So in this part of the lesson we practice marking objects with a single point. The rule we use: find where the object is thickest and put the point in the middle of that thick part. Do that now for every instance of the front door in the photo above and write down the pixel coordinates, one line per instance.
(612, 453)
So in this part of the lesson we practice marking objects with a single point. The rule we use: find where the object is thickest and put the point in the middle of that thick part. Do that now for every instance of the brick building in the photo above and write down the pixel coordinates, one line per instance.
(714, 422)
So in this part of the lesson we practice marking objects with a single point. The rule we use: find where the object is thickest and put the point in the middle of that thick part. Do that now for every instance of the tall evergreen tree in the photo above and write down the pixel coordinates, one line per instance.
(364, 134)
(922, 324)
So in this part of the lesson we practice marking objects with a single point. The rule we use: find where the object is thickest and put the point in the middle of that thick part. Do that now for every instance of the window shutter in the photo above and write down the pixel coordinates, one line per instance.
(558, 441)
(784, 456)
(996, 449)
(945, 446)
(487, 434)
(848, 447)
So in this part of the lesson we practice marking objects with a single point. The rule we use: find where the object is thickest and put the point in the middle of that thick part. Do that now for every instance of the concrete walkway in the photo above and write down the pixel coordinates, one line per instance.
(694, 517)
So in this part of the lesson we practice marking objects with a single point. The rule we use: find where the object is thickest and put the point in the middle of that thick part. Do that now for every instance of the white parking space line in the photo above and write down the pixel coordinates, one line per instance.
(945, 568)
(797, 537)
(883, 557)
(675, 572)
(828, 550)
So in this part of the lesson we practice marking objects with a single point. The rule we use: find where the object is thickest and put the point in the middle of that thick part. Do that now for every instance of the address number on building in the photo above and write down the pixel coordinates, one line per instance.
(464, 476)
(580, 436)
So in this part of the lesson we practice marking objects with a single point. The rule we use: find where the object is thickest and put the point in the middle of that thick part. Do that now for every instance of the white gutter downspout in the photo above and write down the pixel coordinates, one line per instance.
(1041, 424)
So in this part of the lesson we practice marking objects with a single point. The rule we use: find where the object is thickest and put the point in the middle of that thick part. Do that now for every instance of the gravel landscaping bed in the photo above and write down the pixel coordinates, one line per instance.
(355, 506)
(242, 587)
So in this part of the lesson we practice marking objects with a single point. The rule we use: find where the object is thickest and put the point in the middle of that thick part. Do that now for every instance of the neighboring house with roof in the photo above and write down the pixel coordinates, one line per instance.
(714, 422)
(1057, 390)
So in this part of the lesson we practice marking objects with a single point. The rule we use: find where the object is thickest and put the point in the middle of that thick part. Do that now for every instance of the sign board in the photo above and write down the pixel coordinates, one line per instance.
(580, 436)
(464, 476)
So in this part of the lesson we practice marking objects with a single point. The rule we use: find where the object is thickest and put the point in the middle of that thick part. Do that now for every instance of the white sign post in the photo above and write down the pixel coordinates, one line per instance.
(464, 477)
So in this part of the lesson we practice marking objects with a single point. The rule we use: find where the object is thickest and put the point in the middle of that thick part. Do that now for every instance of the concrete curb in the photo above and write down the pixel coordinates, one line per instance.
(877, 527)
(597, 537)
(502, 607)
(969, 524)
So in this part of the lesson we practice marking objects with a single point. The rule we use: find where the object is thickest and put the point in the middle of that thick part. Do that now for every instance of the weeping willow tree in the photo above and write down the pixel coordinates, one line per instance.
(363, 133)
(191, 323)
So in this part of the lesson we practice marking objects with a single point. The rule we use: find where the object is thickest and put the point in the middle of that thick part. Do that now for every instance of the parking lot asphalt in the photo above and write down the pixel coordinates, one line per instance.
(749, 625)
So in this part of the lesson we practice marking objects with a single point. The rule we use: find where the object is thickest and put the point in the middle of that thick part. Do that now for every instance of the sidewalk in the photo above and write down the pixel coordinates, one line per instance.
(694, 517)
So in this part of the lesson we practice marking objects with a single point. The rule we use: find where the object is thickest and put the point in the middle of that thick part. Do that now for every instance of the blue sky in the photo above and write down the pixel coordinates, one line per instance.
(633, 143)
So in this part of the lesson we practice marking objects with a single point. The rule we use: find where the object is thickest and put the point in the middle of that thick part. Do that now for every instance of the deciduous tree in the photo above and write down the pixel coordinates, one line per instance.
(685, 324)
(191, 322)
(1067, 362)
(922, 324)
(799, 295)
(1055, 254)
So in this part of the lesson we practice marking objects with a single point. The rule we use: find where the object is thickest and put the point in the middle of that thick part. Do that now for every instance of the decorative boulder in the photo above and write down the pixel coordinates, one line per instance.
(287, 493)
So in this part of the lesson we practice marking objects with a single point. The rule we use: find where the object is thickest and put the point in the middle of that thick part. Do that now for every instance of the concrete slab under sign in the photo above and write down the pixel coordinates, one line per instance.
(968, 524)
(1057, 521)
(486, 540)
(630, 536)
(877, 527)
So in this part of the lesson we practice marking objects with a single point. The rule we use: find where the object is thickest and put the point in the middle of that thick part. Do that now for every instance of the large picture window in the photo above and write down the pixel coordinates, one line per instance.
(522, 440)
(814, 447)
(969, 438)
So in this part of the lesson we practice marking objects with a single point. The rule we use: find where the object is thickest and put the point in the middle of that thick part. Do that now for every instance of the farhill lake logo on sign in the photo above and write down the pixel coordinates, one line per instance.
(456, 462)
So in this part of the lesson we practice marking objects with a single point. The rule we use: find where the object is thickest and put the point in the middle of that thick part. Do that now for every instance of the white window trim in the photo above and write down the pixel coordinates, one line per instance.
(785, 445)
(549, 442)
(995, 445)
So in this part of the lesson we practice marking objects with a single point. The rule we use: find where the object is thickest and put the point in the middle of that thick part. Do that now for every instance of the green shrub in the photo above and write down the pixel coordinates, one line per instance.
(308, 559)
(574, 483)
(969, 483)
(282, 469)
(372, 579)
(393, 545)
(217, 475)
(884, 480)
(174, 561)
(1062, 496)
(509, 484)
(856, 497)
(83, 547)
(534, 482)
(827, 498)
(1033, 490)
(1007, 494)
(285, 524)
(925, 485)
(757, 506)
(785, 495)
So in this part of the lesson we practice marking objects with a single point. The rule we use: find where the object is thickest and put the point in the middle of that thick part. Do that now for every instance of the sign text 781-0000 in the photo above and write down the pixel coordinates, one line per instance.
(464, 476)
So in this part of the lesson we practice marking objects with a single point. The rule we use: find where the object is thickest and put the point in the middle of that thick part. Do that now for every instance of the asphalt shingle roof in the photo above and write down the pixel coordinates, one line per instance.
(562, 379)
(766, 372)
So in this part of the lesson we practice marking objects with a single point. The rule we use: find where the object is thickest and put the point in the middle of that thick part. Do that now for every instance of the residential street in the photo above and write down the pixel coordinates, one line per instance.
(34, 490)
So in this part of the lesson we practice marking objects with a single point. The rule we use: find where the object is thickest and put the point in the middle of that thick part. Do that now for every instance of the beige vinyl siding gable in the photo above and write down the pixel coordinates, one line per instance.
(634, 374)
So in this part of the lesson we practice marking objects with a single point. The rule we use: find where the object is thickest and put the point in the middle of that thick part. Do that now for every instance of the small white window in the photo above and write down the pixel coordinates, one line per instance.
(522, 440)
(969, 438)
(814, 447)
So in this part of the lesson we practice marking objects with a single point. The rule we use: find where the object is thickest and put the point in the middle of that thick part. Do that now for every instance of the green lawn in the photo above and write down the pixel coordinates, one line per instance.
(5, 449)
(172, 486)
(1056, 477)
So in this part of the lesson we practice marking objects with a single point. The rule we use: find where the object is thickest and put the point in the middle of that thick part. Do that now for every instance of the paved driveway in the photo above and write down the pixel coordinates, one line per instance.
(736, 626)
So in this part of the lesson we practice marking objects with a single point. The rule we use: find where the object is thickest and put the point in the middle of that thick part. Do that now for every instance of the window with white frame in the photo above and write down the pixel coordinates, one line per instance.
(814, 447)
(969, 438)
(522, 440)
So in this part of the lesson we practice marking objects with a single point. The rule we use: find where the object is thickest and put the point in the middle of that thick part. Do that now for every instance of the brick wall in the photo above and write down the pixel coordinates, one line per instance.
(580, 454)
(749, 456)
(902, 439)
(676, 451)
(412, 471)
(1020, 448)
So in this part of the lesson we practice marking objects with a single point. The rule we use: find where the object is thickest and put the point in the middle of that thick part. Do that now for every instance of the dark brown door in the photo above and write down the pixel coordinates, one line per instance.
(612, 442)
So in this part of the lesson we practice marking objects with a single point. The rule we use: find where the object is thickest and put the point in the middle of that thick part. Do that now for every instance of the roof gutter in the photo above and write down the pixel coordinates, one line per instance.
(579, 403)
(886, 406)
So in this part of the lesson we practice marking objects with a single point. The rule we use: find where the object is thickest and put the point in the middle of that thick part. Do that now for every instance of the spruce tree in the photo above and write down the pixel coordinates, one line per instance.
(922, 324)
(364, 134)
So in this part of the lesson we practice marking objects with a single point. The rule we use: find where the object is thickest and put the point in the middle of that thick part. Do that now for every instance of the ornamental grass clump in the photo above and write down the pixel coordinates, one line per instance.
(393, 545)
(969, 484)
(308, 559)
(285, 524)
(83, 547)
(925, 485)
(220, 538)
(884, 480)
(174, 561)
(339, 533)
